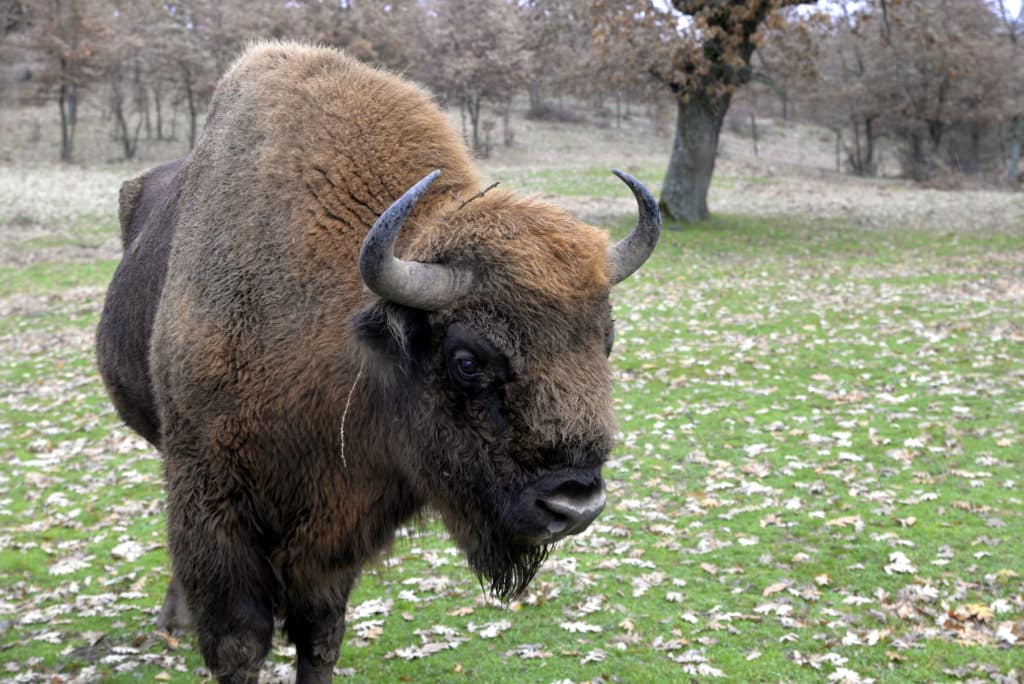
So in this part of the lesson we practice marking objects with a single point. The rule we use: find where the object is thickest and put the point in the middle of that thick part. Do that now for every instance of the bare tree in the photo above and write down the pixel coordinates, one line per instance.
(1012, 30)
(127, 95)
(386, 34)
(787, 56)
(476, 55)
(844, 93)
(196, 49)
(557, 36)
(12, 16)
(930, 77)
(70, 37)
(938, 77)
(701, 50)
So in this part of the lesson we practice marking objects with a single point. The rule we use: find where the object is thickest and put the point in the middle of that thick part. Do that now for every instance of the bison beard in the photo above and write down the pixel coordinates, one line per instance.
(508, 569)
(503, 565)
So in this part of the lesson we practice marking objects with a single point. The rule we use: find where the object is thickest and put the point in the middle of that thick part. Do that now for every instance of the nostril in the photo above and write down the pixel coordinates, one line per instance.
(575, 489)
(574, 504)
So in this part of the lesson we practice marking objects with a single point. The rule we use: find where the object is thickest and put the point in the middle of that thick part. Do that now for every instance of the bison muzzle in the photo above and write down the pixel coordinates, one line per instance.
(325, 327)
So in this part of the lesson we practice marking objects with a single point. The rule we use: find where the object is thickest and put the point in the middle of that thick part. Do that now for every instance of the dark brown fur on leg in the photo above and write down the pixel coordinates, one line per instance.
(316, 625)
(235, 631)
(174, 615)
(227, 581)
(317, 640)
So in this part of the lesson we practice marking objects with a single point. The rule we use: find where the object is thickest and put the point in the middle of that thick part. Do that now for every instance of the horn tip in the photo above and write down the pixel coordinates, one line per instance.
(429, 179)
(642, 194)
(627, 255)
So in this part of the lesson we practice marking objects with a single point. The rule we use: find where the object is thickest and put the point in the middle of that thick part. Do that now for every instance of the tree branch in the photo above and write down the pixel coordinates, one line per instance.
(478, 195)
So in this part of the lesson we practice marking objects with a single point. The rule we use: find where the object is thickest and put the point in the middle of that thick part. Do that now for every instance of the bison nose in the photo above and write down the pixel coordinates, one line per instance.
(571, 506)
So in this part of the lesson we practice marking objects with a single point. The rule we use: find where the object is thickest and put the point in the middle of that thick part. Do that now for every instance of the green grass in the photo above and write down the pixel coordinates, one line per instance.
(589, 181)
(47, 277)
(798, 401)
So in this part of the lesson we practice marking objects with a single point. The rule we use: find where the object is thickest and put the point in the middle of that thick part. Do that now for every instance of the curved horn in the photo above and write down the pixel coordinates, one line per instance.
(429, 287)
(630, 253)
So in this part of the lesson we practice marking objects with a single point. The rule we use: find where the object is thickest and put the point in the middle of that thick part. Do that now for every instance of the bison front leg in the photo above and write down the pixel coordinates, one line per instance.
(229, 596)
(227, 582)
(317, 632)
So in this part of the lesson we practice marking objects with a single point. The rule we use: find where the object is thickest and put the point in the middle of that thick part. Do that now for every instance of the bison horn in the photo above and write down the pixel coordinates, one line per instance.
(429, 287)
(630, 253)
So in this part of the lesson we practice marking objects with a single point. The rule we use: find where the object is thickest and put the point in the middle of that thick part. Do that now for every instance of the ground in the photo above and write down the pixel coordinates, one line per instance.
(821, 398)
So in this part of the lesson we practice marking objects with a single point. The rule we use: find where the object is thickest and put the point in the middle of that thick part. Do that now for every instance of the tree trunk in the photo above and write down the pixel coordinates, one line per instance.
(141, 96)
(462, 119)
(839, 147)
(506, 124)
(753, 131)
(1016, 134)
(684, 197)
(65, 136)
(974, 150)
(536, 93)
(917, 158)
(753, 122)
(147, 114)
(148, 118)
(862, 157)
(67, 102)
(73, 107)
(869, 146)
(857, 162)
(190, 99)
(191, 119)
(129, 142)
(473, 107)
(159, 111)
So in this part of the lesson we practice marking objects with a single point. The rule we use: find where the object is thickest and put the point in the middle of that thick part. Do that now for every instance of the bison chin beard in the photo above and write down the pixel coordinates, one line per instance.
(503, 564)
(507, 568)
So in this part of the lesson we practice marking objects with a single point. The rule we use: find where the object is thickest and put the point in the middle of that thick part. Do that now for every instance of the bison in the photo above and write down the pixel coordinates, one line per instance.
(326, 328)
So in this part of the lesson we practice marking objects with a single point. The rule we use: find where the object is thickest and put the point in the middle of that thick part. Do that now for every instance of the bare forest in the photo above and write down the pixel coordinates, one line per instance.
(932, 91)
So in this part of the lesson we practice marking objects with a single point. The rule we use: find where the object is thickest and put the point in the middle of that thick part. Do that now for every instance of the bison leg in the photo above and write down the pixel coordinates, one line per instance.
(317, 634)
(174, 616)
(229, 589)
(234, 625)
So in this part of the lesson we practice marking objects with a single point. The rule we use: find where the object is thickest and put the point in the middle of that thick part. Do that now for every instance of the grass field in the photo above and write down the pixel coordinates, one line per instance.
(819, 476)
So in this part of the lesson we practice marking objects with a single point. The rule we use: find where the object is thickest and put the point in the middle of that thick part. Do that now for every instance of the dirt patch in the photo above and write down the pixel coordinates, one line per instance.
(878, 203)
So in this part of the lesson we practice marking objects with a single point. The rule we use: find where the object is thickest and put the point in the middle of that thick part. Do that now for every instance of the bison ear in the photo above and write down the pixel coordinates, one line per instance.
(393, 330)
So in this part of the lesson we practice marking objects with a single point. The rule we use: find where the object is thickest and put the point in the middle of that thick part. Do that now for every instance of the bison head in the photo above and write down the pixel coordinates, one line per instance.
(497, 333)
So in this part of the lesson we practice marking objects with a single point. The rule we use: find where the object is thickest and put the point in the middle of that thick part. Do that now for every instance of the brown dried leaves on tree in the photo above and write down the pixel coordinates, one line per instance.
(937, 79)
(699, 49)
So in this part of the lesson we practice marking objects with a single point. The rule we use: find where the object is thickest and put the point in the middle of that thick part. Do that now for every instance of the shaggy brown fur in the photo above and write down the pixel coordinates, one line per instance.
(262, 324)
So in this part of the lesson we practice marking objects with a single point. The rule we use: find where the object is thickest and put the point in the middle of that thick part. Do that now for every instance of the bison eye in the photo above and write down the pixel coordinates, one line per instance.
(466, 366)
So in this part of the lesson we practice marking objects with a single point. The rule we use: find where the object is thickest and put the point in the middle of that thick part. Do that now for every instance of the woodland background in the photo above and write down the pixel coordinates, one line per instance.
(930, 90)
